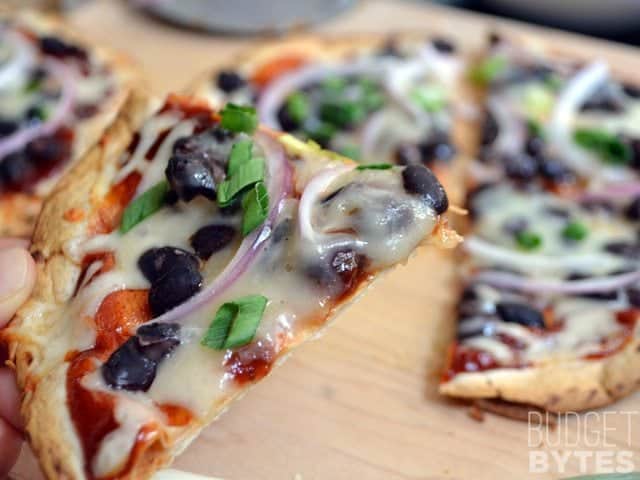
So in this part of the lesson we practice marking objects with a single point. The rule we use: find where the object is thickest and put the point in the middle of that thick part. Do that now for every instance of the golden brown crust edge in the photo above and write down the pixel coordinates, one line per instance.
(36, 335)
(18, 211)
(558, 386)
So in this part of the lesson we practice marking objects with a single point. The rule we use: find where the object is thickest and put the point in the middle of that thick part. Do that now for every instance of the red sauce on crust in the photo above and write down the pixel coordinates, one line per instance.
(462, 359)
(276, 67)
(109, 211)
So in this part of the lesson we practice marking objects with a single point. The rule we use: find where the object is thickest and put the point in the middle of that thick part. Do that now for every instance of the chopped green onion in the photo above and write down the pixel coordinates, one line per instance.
(240, 154)
(255, 204)
(575, 231)
(144, 206)
(298, 107)
(487, 71)
(375, 166)
(431, 98)
(350, 151)
(538, 100)
(535, 128)
(528, 240)
(235, 323)
(239, 118)
(342, 114)
(322, 134)
(334, 85)
(247, 174)
(609, 147)
(33, 85)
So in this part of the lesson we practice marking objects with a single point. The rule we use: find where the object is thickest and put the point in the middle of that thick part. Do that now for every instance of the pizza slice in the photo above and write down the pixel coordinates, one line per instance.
(207, 250)
(548, 315)
(57, 96)
(399, 99)
(555, 118)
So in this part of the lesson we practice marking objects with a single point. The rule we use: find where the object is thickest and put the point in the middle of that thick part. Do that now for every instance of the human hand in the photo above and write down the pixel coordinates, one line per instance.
(17, 277)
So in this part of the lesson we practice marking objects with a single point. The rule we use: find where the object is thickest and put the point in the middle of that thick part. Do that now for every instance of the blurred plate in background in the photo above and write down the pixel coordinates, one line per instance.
(245, 16)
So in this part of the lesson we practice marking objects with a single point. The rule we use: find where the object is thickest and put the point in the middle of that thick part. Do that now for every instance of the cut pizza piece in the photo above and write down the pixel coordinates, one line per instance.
(374, 99)
(205, 253)
(549, 312)
(556, 118)
(57, 96)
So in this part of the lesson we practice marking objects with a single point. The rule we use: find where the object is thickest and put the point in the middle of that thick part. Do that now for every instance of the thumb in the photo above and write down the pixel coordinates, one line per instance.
(17, 277)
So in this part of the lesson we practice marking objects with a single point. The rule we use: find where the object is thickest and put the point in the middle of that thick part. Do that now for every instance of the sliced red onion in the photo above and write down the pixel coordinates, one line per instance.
(21, 58)
(276, 92)
(613, 191)
(520, 283)
(370, 133)
(280, 179)
(19, 139)
(538, 262)
(572, 97)
(511, 130)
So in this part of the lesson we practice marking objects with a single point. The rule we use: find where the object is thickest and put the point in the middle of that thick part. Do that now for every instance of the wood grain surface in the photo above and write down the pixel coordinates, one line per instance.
(362, 402)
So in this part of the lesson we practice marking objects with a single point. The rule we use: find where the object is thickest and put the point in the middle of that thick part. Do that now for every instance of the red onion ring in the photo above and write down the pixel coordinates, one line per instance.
(613, 191)
(19, 139)
(279, 188)
(512, 281)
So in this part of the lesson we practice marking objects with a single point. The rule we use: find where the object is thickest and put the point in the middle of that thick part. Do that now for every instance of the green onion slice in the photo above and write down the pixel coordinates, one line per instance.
(431, 98)
(609, 147)
(247, 174)
(298, 107)
(576, 231)
(240, 154)
(255, 204)
(144, 206)
(528, 240)
(375, 166)
(487, 71)
(239, 118)
(235, 323)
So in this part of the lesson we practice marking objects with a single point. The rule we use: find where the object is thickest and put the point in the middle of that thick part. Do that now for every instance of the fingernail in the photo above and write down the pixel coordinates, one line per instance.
(14, 272)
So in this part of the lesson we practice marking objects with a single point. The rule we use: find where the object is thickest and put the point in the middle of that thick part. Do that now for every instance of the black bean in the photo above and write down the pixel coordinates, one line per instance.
(631, 90)
(158, 340)
(558, 212)
(173, 289)
(513, 312)
(634, 143)
(520, 166)
(490, 129)
(421, 181)
(287, 123)
(603, 99)
(443, 45)
(190, 176)
(389, 49)
(7, 127)
(58, 48)
(128, 368)
(47, 150)
(15, 169)
(555, 171)
(632, 212)
(155, 263)
(597, 205)
(228, 81)
(633, 294)
(211, 239)
(337, 273)
(534, 145)
(623, 249)
(437, 148)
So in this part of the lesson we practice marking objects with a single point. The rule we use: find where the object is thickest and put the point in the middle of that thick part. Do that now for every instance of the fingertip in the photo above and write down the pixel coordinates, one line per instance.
(10, 444)
(17, 278)
(9, 399)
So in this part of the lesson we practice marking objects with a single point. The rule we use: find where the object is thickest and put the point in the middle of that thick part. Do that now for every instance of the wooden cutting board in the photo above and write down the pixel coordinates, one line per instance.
(362, 402)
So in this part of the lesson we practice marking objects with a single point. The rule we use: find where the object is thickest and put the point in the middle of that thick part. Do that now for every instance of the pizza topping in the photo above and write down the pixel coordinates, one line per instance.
(528, 240)
(239, 118)
(520, 313)
(181, 282)
(133, 365)
(57, 47)
(421, 181)
(158, 262)
(228, 81)
(608, 147)
(575, 231)
(443, 45)
(211, 239)
(235, 323)
(145, 205)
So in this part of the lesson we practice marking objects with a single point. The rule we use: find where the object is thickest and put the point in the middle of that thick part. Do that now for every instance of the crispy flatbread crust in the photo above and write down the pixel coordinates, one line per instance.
(557, 385)
(41, 368)
(18, 211)
(318, 48)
